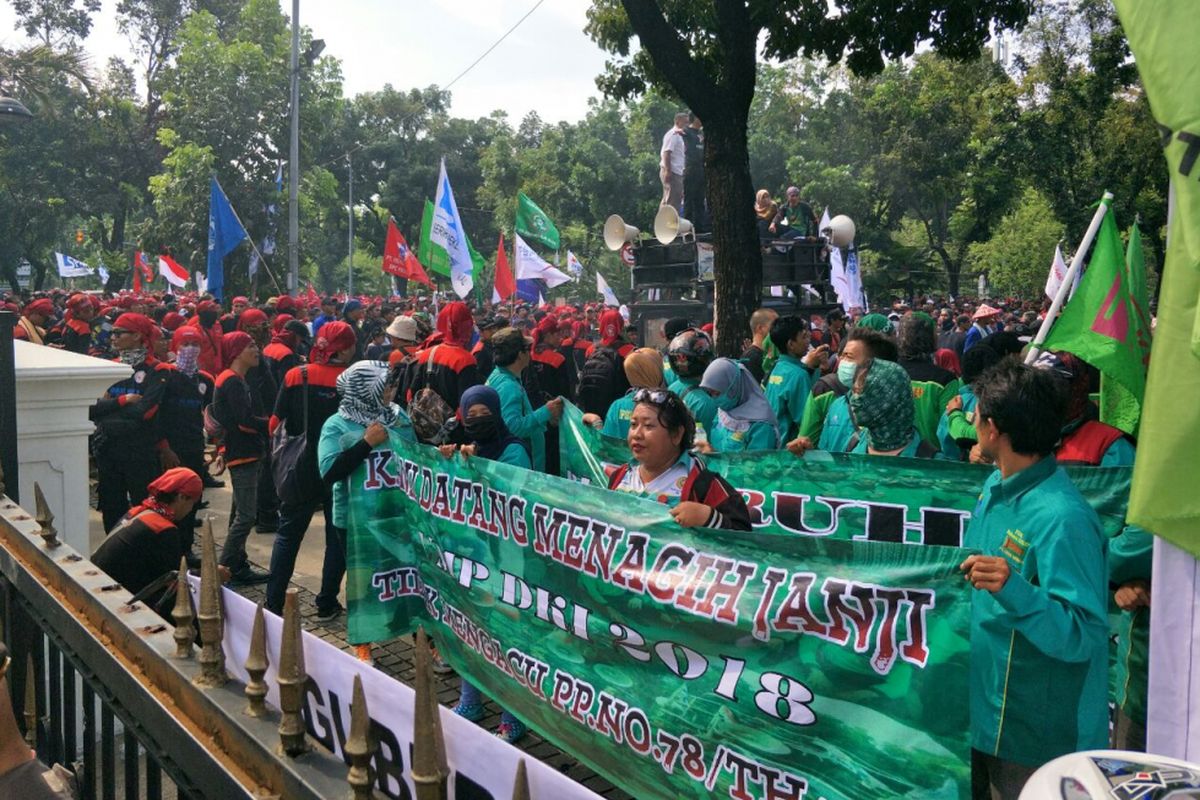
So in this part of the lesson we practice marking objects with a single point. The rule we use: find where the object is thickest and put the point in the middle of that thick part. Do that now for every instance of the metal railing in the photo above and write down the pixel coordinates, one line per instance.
(87, 659)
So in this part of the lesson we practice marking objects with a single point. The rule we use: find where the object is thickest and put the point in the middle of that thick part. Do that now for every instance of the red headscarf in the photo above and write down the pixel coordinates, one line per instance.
(140, 324)
(186, 334)
(611, 326)
(232, 345)
(43, 306)
(251, 317)
(333, 338)
(948, 359)
(78, 302)
(279, 332)
(179, 480)
(548, 325)
(285, 302)
(455, 324)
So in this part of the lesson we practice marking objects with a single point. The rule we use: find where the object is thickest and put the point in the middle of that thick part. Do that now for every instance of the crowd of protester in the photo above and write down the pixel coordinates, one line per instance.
(218, 395)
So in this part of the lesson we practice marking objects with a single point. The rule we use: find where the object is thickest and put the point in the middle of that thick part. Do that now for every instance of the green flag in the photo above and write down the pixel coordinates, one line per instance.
(434, 257)
(1099, 324)
(534, 225)
(1118, 406)
(1163, 36)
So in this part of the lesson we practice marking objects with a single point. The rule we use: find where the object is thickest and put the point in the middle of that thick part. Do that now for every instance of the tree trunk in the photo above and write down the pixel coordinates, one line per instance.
(737, 255)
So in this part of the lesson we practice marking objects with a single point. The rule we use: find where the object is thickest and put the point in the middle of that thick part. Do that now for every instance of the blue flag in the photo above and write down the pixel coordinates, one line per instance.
(225, 233)
(529, 290)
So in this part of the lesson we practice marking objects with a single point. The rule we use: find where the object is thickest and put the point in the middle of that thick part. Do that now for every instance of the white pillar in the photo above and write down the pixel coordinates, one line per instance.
(55, 388)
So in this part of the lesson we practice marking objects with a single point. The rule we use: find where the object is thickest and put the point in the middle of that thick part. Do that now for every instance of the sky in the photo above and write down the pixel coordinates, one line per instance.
(548, 64)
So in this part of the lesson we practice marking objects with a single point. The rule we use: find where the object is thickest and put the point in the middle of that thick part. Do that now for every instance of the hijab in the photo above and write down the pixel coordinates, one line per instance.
(764, 206)
(361, 387)
(644, 368)
(884, 406)
(493, 447)
(455, 324)
(741, 401)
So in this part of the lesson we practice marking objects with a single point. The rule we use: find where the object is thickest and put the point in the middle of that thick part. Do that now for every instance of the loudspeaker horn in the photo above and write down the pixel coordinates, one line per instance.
(668, 225)
(841, 231)
(617, 233)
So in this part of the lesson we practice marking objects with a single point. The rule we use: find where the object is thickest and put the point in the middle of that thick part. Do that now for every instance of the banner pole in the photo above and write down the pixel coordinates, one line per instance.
(1060, 296)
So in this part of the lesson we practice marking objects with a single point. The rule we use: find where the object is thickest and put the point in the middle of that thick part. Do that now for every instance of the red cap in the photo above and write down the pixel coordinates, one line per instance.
(250, 318)
(43, 306)
(172, 320)
(285, 302)
(186, 334)
(179, 480)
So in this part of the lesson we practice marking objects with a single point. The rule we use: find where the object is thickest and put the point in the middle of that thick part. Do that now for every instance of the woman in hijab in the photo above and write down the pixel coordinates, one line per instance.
(881, 403)
(745, 420)
(365, 420)
(644, 369)
(765, 210)
(487, 437)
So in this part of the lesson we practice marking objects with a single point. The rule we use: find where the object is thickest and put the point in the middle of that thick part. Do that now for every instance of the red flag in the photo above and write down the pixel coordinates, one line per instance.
(399, 260)
(311, 297)
(175, 273)
(505, 283)
(142, 271)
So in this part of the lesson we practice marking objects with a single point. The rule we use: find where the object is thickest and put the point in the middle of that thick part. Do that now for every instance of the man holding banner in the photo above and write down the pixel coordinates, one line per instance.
(1038, 676)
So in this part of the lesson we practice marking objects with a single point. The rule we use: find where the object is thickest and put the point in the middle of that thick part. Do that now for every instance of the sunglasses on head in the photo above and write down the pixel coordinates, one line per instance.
(658, 397)
(120, 331)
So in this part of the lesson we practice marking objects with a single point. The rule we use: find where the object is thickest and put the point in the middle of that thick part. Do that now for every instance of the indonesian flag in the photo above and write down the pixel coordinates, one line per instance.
(142, 271)
(399, 260)
(173, 271)
(505, 283)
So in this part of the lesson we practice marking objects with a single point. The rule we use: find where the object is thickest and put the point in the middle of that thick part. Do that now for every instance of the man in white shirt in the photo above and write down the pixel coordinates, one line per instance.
(671, 160)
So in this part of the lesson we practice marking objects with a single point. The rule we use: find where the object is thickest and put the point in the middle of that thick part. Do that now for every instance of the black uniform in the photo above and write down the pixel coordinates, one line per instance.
(140, 548)
(127, 438)
(183, 425)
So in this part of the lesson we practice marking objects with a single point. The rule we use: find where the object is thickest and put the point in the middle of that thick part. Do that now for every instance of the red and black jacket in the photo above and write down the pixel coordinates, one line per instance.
(141, 548)
(323, 403)
(280, 358)
(485, 360)
(447, 369)
(729, 511)
(553, 375)
(245, 431)
(76, 336)
(132, 428)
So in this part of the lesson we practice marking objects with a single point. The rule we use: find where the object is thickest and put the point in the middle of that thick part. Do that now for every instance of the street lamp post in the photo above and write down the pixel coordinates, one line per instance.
(293, 280)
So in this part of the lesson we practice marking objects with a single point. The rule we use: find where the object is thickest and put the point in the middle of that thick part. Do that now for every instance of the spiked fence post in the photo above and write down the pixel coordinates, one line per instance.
(212, 626)
(44, 518)
(292, 678)
(185, 634)
(360, 747)
(256, 666)
(428, 774)
(30, 703)
(521, 783)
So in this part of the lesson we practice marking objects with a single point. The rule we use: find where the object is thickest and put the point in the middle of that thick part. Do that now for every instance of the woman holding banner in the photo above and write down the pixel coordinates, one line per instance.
(660, 435)
(487, 437)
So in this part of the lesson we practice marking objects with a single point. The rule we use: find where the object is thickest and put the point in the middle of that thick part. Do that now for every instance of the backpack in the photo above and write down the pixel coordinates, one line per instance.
(428, 410)
(287, 454)
(601, 381)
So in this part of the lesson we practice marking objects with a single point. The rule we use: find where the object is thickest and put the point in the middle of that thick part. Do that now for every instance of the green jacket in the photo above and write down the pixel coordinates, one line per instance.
(519, 415)
(699, 402)
(339, 434)
(1130, 554)
(1038, 667)
(958, 425)
(788, 387)
(813, 420)
(759, 436)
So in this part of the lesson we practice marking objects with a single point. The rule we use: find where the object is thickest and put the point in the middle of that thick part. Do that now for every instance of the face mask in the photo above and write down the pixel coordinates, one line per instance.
(846, 371)
(187, 360)
(481, 429)
(133, 356)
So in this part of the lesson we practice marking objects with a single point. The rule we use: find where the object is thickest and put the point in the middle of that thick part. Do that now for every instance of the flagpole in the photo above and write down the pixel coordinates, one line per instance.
(248, 236)
(1076, 264)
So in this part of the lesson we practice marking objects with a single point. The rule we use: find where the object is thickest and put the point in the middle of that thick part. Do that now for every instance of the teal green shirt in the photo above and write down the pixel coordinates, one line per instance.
(515, 454)
(1038, 668)
(339, 434)
(838, 429)
(699, 402)
(520, 417)
(616, 421)
(909, 451)
(759, 436)
(958, 425)
(788, 387)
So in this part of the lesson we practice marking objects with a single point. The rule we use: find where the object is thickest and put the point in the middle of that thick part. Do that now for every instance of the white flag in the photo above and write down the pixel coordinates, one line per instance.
(824, 223)
(1058, 273)
(447, 232)
(71, 267)
(846, 279)
(103, 273)
(573, 265)
(201, 283)
(610, 299)
(531, 266)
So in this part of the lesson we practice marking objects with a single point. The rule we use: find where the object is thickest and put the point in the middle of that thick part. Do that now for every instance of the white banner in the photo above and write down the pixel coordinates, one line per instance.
(1173, 712)
(481, 765)
(531, 266)
(69, 267)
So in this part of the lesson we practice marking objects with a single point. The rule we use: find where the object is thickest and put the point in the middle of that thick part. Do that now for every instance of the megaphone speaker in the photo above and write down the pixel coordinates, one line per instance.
(668, 225)
(617, 233)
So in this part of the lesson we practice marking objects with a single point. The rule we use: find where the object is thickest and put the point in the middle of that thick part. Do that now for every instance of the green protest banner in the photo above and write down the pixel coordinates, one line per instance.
(676, 662)
(846, 496)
